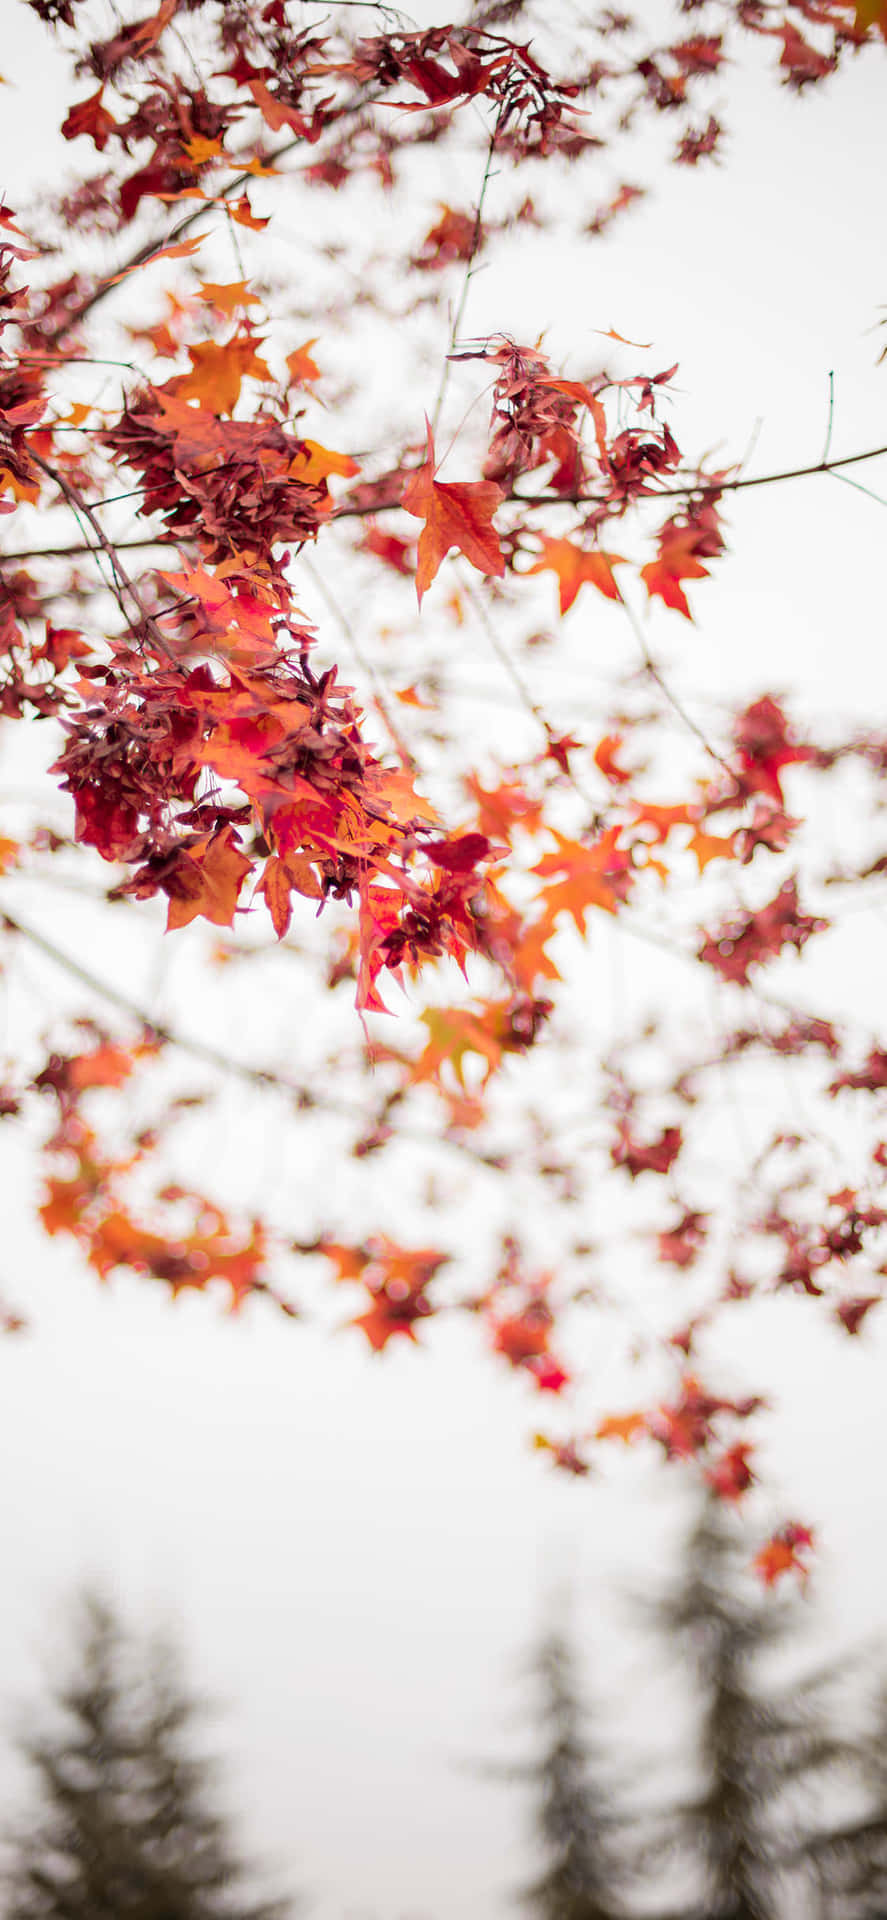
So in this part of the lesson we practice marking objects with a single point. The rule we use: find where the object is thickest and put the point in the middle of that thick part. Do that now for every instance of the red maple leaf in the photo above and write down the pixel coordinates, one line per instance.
(851, 1313)
(89, 116)
(870, 1078)
(751, 939)
(651, 1156)
(765, 746)
(731, 1476)
(680, 1243)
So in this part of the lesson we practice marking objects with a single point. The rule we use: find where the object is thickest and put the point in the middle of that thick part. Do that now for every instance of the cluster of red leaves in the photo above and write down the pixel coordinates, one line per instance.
(86, 1195)
(806, 1251)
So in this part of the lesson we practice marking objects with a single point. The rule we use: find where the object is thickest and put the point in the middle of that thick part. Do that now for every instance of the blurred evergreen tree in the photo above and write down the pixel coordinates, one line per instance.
(765, 1746)
(124, 1827)
(851, 1853)
(576, 1825)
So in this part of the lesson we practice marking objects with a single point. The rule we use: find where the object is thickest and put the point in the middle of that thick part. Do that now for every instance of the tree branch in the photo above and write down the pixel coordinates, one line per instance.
(304, 1097)
(354, 512)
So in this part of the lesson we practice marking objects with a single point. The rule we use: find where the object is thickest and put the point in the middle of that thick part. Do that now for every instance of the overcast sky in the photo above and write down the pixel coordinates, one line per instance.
(358, 1553)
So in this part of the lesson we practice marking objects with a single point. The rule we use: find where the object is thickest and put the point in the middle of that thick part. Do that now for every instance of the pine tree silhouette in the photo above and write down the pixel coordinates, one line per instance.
(124, 1827)
(762, 1749)
(574, 1817)
(850, 1854)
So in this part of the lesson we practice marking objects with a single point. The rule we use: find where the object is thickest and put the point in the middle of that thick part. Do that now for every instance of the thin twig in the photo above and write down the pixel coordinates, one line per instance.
(655, 673)
(145, 253)
(79, 547)
(366, 666)
(831, 417)
(527, 698)
(469, 272)
(771, 479)
(124, 583)
(847, 481)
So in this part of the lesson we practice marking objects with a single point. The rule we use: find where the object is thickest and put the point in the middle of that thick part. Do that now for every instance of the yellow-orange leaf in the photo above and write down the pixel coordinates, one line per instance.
(452, 1033)
(316, 463)
(21, 490)
(871, 13)
(200, 150)
(621, 1426)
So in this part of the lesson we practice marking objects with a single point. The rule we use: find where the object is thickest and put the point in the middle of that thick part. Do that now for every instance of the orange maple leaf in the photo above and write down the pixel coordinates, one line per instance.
(397, 1279)
(237, 623)
(663, 819)
(180, 250)
(502, 809)
(217, 373)
(277, 883)
(710, 846)
(106, 1066)
(590, 876)
(393, 786)
(348, 1261)
(241, 211)
(207, 879)
(228, 295)
(783, 1554)
(301, 364)
(458, 515)
(677, 560)
(577, 568)
(606, 757)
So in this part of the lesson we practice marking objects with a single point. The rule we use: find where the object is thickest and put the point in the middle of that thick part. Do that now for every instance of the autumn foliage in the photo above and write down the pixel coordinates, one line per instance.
(197, 601)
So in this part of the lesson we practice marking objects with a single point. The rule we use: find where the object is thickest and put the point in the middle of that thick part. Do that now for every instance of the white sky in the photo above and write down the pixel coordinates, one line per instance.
(358, 1553)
